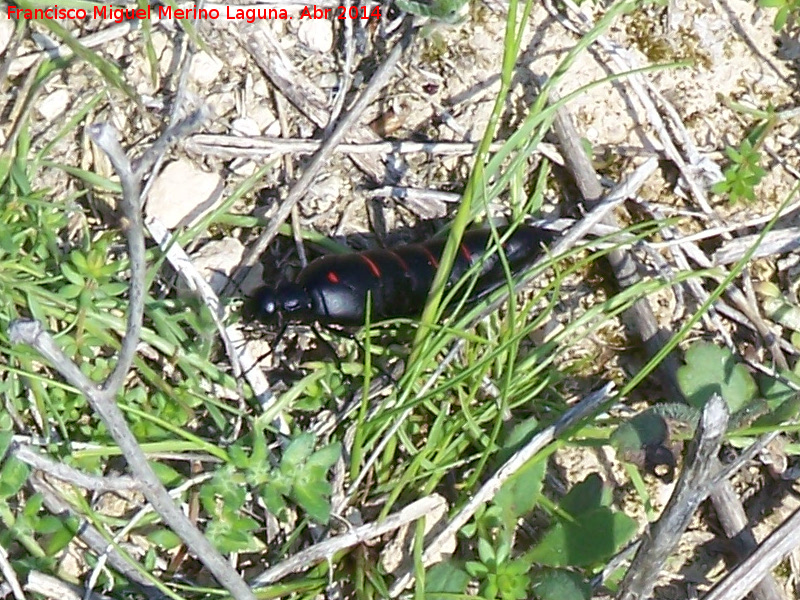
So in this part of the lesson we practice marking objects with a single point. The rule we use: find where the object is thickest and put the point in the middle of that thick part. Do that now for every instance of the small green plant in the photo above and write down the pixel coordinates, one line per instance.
(300, 477)
(500, 575)
(587, 530)
(743, 174)
(451, 12)
(786, 9)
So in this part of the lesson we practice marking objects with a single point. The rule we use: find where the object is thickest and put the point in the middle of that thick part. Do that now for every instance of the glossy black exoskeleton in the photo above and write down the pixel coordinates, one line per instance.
(334, 289)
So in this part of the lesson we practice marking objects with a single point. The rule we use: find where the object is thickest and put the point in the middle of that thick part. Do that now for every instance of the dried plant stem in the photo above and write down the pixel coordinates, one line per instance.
(693, 487)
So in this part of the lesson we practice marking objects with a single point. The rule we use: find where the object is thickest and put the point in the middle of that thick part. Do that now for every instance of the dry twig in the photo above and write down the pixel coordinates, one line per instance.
(327, 549)
(693, 487)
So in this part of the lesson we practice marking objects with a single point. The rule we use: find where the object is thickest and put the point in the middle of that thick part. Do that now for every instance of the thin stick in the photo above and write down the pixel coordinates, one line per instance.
(93, 538)
(10, 576)
(231, 146)
(327, 549)
(71, 475)
(744, 578)
(102, 398)
(694, 485)
(51, 587)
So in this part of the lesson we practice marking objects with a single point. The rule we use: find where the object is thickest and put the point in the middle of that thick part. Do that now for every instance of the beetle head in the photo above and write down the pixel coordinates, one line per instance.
(286, 301)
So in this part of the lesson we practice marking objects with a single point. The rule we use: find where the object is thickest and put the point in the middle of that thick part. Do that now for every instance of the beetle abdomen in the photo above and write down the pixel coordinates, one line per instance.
(398, 280)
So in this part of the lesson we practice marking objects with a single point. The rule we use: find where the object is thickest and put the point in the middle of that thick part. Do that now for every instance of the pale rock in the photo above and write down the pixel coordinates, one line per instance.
(317, 34)
(216, 261)
(243, 167)
(237, 60)
(205, 68)
(328, 81)
(6, 31)
(182, 193)
(222, 103)
(246, 126)
(54, 105)
(160, 41)
(260, 88)
(273, 129)
(266, 120)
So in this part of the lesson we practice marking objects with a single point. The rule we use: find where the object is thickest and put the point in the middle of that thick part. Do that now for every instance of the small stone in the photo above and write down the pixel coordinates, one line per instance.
(222, 102)
(183, 193)
(260, 88)
(205, 68)
(264, 118)
(246, 126)
(243, 167)
(54, 105)
(328, 80)
(217, 260)
(6, 31)
(317, 34)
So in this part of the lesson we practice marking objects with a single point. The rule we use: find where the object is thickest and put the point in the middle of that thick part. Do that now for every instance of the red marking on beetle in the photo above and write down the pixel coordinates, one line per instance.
(434, 261)
(372, 266)
(465, 251)
(333, 277)
(403, 264)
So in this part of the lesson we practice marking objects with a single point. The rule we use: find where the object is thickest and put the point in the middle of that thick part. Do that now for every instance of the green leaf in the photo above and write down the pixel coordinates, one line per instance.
(166, 474)
(12, 477)
(446, 578)
(558, 584)
(783, 401)
(59, 535)
(517, 437)
(648, 427)
(476, 569)
(520, 494)
(589, 539)
(446, 11)
(589, 494)
(72, 275)
(234, 535)
(713, 370)
(314, 502)
(164, 539)
(238, 455)
(326, 457)
(781, 18)
(485, 551)
(297, 452)
(273, 500)
(70, 291)
(5, 442)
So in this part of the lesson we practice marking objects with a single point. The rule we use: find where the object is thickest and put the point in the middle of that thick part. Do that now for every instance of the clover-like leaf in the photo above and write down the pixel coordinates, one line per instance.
(588, 539)
(711, 370)
(559, 584)
(446, 578)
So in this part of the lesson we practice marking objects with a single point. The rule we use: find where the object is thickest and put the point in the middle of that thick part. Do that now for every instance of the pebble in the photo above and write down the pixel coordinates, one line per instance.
(317, 34)
(183, 193)
(53, 105)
